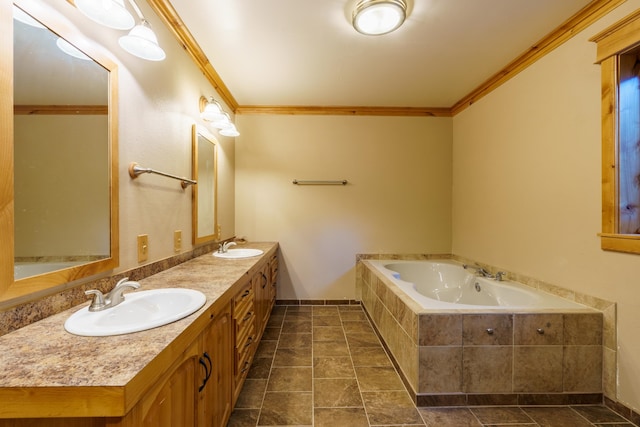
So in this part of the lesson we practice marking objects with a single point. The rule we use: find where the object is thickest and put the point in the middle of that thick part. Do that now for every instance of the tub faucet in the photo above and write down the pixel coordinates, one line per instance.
(224, 247)
(102, 302)
(479, 270)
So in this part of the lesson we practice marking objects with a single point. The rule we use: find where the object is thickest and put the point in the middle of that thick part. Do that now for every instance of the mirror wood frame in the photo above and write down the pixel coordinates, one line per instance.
(13, 292)
(197, 131)
(611, 43)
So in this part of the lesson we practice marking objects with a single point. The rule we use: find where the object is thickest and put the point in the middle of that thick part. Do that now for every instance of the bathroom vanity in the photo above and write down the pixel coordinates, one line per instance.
(187, 373)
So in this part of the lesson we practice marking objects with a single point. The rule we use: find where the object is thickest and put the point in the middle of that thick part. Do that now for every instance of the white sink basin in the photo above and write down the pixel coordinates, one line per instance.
(138, 312)
(238, 253)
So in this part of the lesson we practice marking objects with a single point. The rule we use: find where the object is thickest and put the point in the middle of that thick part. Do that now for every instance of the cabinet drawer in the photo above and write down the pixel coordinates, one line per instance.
(242, 299)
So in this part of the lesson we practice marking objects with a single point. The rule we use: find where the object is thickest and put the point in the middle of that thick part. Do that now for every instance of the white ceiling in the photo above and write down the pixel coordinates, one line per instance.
(306, 53)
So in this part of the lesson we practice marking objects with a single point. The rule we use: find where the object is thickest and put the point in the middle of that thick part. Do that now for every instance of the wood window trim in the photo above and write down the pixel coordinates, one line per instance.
(613, 41)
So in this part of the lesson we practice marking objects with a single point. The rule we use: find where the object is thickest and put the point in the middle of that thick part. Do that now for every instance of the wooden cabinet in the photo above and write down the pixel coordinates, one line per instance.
(196, 391)
(214, 399)
(244, 320)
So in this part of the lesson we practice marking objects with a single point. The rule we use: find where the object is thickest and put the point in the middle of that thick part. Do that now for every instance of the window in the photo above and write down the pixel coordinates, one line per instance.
(619, 57)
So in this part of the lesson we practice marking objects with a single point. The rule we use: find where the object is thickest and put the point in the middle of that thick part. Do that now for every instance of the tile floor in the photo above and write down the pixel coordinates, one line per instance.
(324, 366)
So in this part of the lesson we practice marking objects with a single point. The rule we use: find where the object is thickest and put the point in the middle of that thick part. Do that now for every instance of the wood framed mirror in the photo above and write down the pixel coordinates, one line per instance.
(205, 192)
(59, 162)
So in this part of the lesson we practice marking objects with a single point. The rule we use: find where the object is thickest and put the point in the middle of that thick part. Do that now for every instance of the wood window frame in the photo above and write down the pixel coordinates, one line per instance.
(611, 43)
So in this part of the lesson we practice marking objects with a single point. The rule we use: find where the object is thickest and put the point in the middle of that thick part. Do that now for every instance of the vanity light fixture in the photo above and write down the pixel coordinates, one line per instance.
(210, 109)
(377, 17)
(141, 40)
(110, 13)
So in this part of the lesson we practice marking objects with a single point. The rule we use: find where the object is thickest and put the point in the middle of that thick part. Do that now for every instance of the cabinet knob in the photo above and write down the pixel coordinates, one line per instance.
(490, 331)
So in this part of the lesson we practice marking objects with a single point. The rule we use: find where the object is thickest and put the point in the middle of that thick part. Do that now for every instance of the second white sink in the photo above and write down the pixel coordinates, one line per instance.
(138, 312)
(238, 253)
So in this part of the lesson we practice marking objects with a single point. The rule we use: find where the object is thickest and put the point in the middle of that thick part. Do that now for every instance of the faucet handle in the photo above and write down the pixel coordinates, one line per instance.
(500, 275)
(98, 300)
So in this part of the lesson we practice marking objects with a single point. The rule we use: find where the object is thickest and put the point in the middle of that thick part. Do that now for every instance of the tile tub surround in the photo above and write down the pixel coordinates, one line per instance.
(449, 359)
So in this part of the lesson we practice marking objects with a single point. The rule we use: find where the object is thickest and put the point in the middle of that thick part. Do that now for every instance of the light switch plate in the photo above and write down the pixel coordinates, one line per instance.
(177, 240)
(143, 247)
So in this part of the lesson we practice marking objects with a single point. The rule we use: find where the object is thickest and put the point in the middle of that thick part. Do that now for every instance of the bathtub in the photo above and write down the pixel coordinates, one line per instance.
(445, 284)
(458, 339)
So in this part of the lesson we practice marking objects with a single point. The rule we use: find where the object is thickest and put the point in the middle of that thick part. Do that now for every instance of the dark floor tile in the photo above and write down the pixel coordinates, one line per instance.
(286, 408)
(252, 394)
(337, 417)
(352, 315)
(357, 327)
(333, 367)
(293, 357)
(390, 407)
(260, 368)
(330, 348)
(244, 418)
(328, 333)
(599, 414)
(294, 340)
(326, 321)
(378, 378)
(299, 309)
(449, 417)
(275, 321)
(336, 393)
(556, 417)
(297, 317)
(271, 334)
(290, 379)
(362, 339)
(501, 415)
(266, 349)
(370, 356)
(327, 310)
(296, 327)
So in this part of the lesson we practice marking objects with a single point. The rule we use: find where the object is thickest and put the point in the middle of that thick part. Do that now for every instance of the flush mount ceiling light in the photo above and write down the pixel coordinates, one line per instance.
(110, 13)
(377, 17)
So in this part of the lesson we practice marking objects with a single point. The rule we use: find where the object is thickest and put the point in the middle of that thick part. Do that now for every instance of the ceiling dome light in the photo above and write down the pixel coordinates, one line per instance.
(376, 17)
(143, 43)
(110, 13)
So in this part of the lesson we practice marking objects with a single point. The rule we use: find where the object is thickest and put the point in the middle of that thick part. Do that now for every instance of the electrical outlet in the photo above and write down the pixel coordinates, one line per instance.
(177, 241)
(143, 247)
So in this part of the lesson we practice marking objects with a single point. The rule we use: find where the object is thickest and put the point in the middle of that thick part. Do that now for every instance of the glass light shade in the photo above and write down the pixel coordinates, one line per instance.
(230, 131)
(224, 123)
(212, 111)
(143, 43)
(110, 13)
(377, 17)
(71, 50)
(22, 16)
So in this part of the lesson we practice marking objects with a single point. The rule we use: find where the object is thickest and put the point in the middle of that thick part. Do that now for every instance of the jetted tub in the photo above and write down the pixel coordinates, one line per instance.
(446, 284)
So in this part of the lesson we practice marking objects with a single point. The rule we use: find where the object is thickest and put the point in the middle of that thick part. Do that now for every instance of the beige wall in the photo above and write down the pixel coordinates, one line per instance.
(158, 103)
(397, 199)
(526, 187)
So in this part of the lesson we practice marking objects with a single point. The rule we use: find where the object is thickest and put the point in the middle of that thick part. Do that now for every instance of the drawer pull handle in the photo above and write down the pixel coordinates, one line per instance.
(246, 293)
(490, 331)
(246, 367)
(249, 342)
(540, 331)
(248, 316)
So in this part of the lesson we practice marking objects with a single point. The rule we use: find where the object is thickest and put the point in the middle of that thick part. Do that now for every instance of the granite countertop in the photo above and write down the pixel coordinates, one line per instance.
(43, 354)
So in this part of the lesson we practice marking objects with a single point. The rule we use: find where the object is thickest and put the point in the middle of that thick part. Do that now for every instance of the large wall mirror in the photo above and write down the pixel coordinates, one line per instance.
(204, 145)
(64, 221)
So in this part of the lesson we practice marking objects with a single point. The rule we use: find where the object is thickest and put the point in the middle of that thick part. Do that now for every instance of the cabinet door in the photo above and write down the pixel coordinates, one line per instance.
(260, 283)
(214, 407)
(173, 401)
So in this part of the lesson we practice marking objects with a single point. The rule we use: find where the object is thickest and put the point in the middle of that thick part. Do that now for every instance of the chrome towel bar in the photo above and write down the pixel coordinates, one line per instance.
(341, 182)
(135, 170)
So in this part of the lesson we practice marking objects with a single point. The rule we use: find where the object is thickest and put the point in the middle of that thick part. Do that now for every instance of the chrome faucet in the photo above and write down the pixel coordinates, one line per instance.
(479, 270)
(499, 276)
(102, 302)
(224, 247)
